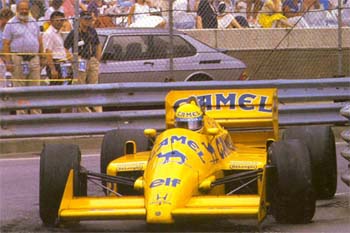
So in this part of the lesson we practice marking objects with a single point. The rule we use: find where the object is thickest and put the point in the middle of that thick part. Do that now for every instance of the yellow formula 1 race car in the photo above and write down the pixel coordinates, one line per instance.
(219, 156)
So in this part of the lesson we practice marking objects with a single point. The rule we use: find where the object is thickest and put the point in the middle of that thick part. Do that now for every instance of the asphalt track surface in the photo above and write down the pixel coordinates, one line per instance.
(19, 207)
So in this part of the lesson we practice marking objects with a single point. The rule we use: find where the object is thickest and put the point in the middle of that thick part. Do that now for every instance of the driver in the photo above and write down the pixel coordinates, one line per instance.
(189, 116)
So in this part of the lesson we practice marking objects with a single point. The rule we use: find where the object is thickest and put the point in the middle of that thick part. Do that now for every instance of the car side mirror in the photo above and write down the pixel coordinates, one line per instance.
(151, 133)
(213, 131)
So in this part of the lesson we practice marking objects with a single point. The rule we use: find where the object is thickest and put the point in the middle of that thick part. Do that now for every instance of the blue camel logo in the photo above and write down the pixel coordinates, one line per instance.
(172, 154)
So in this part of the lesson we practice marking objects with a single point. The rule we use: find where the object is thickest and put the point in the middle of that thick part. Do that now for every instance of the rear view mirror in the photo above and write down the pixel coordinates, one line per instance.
(213, 131)
(150, 132)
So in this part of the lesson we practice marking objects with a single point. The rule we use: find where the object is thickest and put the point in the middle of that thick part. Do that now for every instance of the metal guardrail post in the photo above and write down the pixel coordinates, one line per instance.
(345, 111)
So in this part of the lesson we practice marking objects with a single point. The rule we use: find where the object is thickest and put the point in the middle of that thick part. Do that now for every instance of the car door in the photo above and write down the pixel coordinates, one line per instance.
(130, 58)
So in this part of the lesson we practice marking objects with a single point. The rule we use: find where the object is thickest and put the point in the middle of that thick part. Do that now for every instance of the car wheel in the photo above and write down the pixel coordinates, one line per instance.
(56, 161)
(293, 199)
(321, 143)
(113, 148)
(199, 77)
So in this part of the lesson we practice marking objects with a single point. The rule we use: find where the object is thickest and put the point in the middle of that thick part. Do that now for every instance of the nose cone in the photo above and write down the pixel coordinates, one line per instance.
(171, 176)
(171, 186)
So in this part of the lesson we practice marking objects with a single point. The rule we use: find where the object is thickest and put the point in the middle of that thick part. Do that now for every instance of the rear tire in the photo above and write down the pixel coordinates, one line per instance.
(321, 144)
(56, 161)
(293, 199)
(113, 148)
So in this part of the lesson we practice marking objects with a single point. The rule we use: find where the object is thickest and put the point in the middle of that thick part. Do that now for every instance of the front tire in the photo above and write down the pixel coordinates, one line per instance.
(113, 148)
(293, 199)
(56, 161)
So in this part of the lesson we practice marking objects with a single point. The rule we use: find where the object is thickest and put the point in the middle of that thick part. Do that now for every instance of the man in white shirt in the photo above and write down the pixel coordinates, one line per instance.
(54, 47)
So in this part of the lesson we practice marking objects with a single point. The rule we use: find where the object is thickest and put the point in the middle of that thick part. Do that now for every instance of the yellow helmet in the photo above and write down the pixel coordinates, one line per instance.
(189, 116)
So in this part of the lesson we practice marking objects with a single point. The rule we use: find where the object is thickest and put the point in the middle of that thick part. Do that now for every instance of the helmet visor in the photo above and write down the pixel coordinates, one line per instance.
(191, 125)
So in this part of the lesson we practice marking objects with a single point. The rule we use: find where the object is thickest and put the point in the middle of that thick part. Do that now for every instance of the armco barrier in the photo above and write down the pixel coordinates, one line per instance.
(300, 102)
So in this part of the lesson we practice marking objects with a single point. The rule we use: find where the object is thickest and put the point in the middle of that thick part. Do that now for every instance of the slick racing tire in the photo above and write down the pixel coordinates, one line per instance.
(113, 147)
(56, 161)
(321, 144)
(293, 199)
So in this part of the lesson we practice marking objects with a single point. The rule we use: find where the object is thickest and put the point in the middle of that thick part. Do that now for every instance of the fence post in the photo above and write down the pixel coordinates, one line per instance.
(75, 41)
(340, 38)
(171, 34)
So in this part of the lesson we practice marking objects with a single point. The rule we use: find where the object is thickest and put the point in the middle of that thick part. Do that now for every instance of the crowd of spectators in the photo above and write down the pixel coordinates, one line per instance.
(192, 14)
(31, 30)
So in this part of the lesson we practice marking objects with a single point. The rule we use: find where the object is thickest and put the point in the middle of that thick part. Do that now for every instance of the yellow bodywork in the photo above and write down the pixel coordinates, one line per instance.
(179, 171)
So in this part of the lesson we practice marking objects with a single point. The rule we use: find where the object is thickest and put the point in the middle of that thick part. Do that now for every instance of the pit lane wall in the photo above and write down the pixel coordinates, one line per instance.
(281, 53)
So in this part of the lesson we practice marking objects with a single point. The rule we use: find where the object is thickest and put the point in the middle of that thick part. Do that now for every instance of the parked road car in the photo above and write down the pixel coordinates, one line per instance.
(143, 55)
(221, 158)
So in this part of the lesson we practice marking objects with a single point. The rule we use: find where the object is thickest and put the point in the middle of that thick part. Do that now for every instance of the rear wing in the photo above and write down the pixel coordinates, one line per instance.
(236, 109)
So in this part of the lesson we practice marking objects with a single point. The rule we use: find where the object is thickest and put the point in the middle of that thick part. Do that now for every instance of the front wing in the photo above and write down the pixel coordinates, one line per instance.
(133, 207)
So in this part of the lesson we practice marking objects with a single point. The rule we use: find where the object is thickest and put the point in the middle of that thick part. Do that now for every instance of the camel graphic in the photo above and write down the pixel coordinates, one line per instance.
(172, 154)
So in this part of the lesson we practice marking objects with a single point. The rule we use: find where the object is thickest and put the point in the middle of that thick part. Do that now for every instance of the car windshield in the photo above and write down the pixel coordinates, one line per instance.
(102, 39)
(136, 47)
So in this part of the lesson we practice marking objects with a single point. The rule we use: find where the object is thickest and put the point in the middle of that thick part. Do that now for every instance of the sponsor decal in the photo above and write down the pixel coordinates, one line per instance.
(173, 154)
(161, 199)
(244, 165)
(171, 182)
(135, 166)
(183, 140)
(232, 101)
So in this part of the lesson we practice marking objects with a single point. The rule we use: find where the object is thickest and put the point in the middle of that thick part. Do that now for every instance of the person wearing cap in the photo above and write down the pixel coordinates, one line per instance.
(89, 52)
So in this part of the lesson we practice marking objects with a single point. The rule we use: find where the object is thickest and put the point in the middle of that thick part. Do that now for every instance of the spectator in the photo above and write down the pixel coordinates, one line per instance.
(68, 6)
(83, 4)
(253, 8)
(54, 47)
(97, 7)
(240, 8)
(271, 15)
(22, 35)
(206, 15)
(183, 19)
(37, 11)
(230, 20)
(226, 20)
(139, 16)
(56, 5)
(89, 51)
(294, 10)
(5, 15)
(310, 5)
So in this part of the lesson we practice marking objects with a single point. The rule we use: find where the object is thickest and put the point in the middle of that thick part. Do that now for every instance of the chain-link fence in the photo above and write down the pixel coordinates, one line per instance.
(304, 39)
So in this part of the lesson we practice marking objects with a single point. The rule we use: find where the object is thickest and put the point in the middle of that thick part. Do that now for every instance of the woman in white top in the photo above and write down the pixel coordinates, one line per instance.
(226, 19)
(140, 16)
